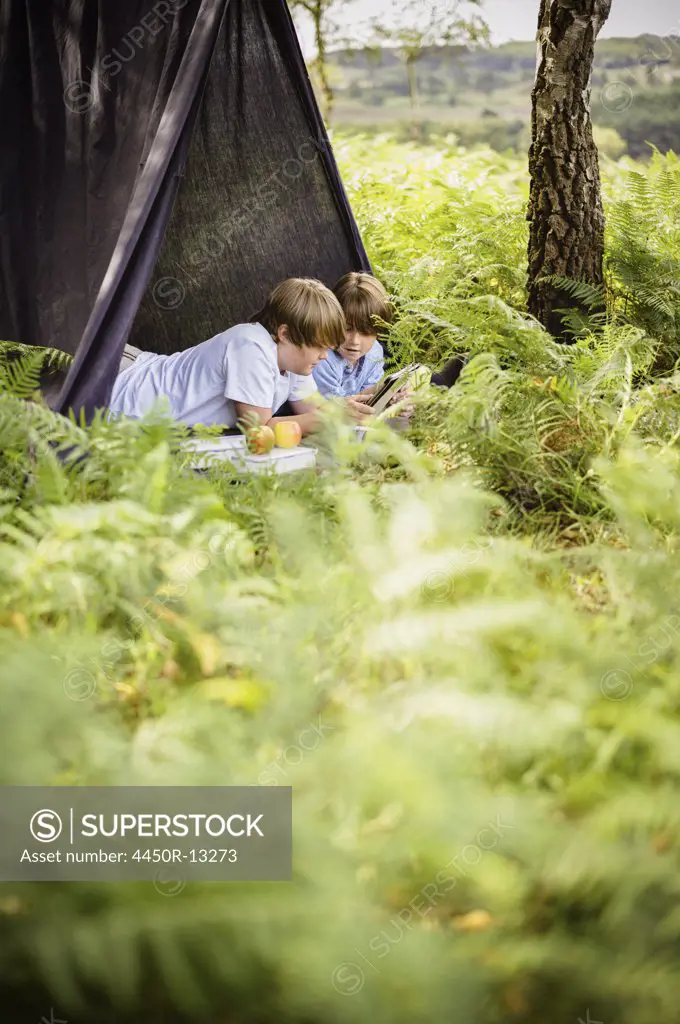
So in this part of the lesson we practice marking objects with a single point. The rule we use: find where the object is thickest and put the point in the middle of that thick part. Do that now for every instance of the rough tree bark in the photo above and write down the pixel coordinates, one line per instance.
(565, 208)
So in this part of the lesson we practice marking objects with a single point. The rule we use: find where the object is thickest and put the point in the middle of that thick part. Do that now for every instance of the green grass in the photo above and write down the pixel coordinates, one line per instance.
(483, 615)
(511, 100)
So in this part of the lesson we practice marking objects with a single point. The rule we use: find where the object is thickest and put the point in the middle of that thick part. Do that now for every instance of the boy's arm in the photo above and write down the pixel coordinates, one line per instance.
(306, 414)
(353, 405)
(307, 420)
(376, 373)
(327, 377)
(366, 393)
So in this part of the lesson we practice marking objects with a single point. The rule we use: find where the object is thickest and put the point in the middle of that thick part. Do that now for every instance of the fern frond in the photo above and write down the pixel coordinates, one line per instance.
(592, 296)
(52, 358)
(21, 377)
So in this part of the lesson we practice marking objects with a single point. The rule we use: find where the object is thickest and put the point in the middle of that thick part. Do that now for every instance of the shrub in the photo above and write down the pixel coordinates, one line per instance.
(479, 621)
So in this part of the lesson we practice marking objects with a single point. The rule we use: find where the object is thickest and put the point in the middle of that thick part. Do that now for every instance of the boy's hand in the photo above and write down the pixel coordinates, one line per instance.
(358, 410)
(405, 413)
(401, 394)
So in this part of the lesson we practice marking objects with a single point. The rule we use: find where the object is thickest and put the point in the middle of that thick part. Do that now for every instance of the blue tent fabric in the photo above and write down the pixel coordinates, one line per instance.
(163, 164)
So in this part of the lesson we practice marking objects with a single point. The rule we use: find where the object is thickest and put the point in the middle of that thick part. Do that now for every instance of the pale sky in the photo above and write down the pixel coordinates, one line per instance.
(517, 19)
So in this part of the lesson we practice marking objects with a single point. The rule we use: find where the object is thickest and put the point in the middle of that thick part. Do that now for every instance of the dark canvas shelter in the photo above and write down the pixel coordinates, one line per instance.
(163, 163)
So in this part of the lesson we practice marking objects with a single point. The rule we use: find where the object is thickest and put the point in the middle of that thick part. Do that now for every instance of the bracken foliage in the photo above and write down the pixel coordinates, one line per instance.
(478, 619)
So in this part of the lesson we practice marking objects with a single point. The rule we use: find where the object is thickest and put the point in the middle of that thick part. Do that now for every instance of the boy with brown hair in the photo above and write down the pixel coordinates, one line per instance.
(354, 369)
(250, 370)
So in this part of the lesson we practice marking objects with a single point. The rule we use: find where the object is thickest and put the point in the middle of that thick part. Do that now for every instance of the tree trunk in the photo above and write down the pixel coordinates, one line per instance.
(322, 67)
(417, 126)
(412, 82)
(565, 208)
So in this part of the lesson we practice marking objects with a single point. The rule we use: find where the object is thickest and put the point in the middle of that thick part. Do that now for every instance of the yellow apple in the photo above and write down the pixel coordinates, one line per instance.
(260, 440)
(287, 435)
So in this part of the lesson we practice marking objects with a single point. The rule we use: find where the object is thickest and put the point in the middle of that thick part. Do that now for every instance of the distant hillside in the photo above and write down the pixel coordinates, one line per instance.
(485, 95)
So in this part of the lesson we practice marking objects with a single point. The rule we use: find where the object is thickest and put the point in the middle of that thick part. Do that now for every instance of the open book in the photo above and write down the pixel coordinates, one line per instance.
(392, 383)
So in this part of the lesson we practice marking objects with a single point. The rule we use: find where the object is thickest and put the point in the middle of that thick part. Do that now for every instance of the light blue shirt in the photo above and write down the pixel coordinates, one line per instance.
(334, 376)
(204, 383)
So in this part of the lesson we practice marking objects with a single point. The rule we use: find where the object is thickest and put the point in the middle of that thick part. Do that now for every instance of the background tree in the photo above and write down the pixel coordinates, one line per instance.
(326, 35)
(415, 26)
(565, 208)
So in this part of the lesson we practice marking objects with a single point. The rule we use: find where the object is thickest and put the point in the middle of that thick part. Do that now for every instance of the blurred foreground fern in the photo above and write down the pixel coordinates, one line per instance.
(478, 624)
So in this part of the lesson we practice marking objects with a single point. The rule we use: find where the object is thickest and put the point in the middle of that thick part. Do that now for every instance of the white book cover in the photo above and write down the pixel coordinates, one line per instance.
(233, 449)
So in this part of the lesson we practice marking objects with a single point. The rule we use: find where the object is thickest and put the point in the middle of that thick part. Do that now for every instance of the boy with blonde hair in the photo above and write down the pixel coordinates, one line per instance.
(249, 370)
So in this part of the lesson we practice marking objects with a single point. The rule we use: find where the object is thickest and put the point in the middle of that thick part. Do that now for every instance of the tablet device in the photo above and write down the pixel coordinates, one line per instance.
(388, 387)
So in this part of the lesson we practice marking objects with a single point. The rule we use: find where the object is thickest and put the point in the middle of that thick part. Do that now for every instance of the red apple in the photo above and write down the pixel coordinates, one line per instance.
(288, 435)
(260, 440)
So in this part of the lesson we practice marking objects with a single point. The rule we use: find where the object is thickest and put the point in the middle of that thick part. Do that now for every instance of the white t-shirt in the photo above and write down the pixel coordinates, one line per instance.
(203, 383)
